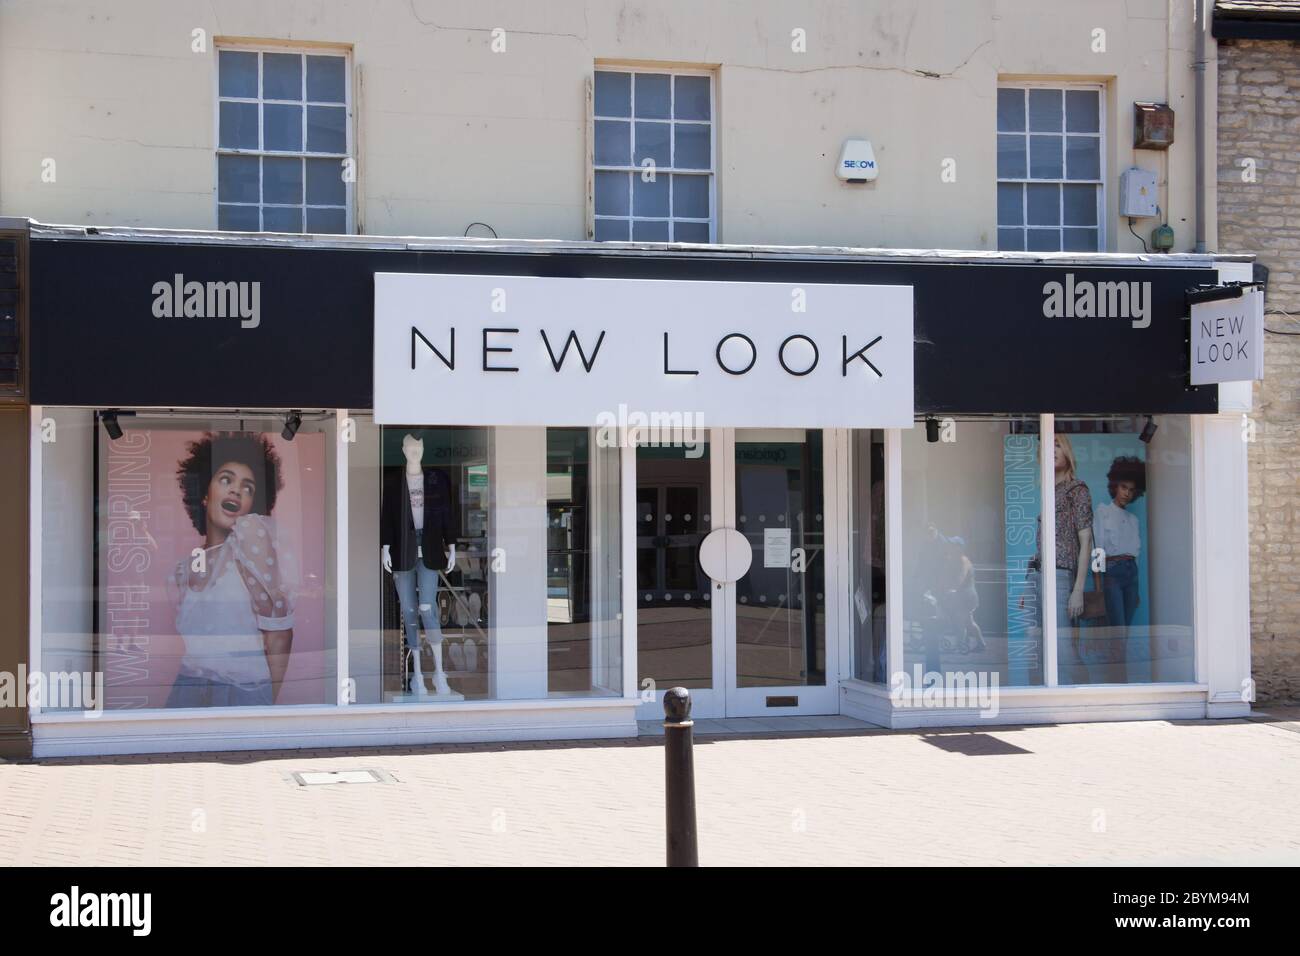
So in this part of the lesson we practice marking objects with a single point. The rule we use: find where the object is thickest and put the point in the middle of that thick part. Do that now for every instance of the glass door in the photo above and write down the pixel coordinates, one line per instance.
(780, 649)
(678, 498)
(761, 644)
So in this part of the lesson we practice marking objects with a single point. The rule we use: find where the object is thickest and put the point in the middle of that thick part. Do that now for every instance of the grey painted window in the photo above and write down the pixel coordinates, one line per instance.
(654, 156)
(282, 141)
(1050, 186)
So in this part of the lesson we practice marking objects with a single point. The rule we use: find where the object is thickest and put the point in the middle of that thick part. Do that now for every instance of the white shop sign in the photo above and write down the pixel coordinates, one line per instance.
(1228, 339)
(515, 350)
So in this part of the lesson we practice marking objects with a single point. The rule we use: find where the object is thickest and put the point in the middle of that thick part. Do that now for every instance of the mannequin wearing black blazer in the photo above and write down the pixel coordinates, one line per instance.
(397, 525)
(417, 558)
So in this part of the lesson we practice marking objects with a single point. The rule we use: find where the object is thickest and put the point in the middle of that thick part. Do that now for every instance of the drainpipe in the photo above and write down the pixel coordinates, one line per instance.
(1198, 65)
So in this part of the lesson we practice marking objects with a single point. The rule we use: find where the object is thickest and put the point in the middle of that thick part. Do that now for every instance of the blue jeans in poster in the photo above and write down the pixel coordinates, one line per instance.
(1064, 585)
(196, 690)
(1120, 585)
(417, 594)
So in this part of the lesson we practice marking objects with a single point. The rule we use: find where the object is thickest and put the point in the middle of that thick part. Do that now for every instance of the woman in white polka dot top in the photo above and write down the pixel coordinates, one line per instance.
(234, 608)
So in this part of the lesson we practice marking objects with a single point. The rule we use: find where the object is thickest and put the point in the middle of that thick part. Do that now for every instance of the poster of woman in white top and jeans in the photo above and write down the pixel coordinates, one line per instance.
(1116, 532)
(234, 600)
(211, 567)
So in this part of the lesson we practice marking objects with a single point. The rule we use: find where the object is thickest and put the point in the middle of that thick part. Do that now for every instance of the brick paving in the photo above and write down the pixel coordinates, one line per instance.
(1142, 792)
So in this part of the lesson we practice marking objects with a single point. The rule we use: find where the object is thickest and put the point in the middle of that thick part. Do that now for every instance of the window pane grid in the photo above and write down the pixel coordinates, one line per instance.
(1049, 137)
(321, 134)
(633, 110)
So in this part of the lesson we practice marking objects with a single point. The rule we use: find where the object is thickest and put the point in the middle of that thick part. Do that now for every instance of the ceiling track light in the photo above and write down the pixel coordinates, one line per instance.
(292, 422)
(931, 429)
(1148, 431)
(109, 419)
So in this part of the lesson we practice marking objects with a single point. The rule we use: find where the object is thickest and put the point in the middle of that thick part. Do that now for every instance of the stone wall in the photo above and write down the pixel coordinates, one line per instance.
(1259, 120)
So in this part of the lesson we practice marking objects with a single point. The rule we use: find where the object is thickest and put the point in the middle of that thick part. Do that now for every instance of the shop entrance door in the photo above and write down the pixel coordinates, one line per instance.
(760, 644)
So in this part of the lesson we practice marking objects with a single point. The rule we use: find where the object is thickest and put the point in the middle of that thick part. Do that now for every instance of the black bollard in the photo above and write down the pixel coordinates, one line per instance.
(679, 779)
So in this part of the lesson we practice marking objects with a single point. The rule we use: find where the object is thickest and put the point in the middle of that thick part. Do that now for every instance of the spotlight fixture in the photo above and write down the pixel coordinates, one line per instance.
(931, 429)
(1148, 430)
(292, 422)
(108, 418)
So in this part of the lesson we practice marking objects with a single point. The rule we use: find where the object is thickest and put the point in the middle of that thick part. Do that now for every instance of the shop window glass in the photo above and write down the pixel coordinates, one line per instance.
(1125, 484)
(583, 561)
(483, 564)
(970, 505)
(867, 553)
(185, 560)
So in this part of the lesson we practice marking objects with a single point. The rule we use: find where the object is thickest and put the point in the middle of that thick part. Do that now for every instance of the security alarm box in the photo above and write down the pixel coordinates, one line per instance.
(1137, 192)
(857, 162)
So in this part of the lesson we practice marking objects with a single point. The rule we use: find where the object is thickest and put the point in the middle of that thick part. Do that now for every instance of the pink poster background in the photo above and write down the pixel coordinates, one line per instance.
(140, 651)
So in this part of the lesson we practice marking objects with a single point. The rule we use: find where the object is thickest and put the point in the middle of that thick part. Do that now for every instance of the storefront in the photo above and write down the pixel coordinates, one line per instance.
(312, 492)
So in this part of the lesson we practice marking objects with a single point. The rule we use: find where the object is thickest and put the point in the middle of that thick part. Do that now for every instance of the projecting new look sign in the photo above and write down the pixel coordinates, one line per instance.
(516, 350)
(1228, 338)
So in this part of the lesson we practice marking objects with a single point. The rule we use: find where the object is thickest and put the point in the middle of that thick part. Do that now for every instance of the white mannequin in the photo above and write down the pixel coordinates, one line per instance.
(413, 450)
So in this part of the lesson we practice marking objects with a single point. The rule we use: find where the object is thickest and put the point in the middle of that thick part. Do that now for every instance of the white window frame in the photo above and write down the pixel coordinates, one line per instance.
(1046, 84)
(219, 150)
(710, 174)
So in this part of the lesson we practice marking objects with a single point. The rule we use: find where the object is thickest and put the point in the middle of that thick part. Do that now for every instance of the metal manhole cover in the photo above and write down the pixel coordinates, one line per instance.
(325, 778)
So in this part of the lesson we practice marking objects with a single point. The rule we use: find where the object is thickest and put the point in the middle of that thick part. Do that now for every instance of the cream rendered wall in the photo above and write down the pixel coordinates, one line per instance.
(449, 132)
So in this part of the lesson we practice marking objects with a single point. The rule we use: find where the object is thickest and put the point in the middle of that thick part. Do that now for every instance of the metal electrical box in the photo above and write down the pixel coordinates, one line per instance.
(1137, 193)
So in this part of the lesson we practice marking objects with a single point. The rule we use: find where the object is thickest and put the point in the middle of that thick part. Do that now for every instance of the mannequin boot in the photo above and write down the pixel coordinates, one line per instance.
(440, 685)
(413, 671)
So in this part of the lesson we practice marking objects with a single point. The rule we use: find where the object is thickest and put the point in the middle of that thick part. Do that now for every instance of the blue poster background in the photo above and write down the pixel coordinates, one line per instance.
(1021, 508)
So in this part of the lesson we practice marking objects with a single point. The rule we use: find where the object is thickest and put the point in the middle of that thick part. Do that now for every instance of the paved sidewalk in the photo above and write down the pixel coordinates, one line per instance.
(1150, 792)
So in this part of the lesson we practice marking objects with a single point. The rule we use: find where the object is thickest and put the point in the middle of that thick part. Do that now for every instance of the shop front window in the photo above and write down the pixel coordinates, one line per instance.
(185, 559)
(583, 561)
(483, 564)
(1124, 609)
(971, 500)
(867, 554)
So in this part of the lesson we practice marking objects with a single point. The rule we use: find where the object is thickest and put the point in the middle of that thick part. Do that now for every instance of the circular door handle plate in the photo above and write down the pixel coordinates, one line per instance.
(725, 555)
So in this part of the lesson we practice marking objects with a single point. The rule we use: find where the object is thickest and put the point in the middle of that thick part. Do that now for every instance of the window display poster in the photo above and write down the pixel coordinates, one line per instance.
(211, 569)
(1117, 529)
(1097, 457)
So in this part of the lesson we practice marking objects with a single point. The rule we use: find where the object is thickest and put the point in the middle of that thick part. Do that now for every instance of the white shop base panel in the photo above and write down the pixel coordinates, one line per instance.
(294, 727)
(1017, 706)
